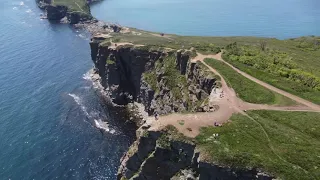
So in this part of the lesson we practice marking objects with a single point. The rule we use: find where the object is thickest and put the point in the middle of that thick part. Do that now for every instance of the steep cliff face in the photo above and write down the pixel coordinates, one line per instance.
(121, 70)
(58, 12)
(166, 81)
(163, 80)
(166, 155)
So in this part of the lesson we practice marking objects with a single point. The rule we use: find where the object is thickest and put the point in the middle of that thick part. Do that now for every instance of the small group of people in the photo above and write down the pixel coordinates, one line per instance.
(221, 95)
(217, 124)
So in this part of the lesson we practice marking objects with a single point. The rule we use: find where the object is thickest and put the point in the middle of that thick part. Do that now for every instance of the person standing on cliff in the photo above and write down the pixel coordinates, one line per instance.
(156, 115)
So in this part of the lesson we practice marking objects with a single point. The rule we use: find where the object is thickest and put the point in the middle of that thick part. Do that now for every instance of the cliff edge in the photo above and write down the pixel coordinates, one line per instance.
(170, 155)
(163, 80)
(71, 12)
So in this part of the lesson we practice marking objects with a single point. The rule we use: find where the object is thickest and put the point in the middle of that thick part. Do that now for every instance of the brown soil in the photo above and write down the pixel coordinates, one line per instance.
(228, 103)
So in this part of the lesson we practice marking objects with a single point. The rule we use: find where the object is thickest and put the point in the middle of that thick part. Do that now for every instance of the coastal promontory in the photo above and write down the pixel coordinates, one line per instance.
(207, 107)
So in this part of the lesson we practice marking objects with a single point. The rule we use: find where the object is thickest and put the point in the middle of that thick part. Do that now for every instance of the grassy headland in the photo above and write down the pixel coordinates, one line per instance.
(286, 144)
(291, 65)
(79, 6)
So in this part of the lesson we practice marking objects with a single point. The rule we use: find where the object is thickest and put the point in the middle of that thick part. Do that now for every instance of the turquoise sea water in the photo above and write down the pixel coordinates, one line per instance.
(49, 112)
(272, 18)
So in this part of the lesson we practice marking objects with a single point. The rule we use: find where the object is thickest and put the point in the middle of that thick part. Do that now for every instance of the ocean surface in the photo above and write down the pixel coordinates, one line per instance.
(52, 122)
(272, 18)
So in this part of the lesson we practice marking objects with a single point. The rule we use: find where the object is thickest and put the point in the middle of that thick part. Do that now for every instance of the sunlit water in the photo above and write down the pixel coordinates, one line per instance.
(272, 18)
(51, 120)
(52, 124)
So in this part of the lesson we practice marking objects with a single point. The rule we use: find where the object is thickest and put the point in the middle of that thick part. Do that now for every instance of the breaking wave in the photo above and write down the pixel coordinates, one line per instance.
(78, 101)
(87, 76)
(92, 115)
(29, 11)
(104, 126)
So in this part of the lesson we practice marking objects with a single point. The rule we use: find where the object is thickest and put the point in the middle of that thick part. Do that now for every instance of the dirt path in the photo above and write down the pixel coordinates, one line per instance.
(309, 104)
(164, 36)
(79, 6)
(228, 102)
(115, 45)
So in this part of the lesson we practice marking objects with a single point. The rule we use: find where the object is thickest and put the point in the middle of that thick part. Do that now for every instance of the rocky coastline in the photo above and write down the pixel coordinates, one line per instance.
(164, 154)
(169, 155)
(60, 13)
(123, 71)
(128, 74)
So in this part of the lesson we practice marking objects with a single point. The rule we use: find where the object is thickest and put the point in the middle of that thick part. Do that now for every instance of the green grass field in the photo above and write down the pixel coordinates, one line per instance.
(300, 49)
(285, 144)
(291, 65)
(74, 5)
(246, 89)
(280, 82)
(273, 66)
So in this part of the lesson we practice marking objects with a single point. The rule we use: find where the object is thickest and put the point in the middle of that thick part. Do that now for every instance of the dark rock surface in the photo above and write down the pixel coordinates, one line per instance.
(56, 13)
(42, 4)
(149, 160)
(121, 70)
(61, 13)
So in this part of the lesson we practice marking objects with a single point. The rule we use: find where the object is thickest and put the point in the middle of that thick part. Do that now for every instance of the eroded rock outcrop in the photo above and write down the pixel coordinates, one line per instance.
(56, 13)
(163, 80)
(63, 13)
(167, 155)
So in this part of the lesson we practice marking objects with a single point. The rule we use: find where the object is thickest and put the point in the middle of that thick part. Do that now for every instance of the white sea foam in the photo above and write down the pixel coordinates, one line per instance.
(103, 125)
(81, 35)
(14, 8)
(79, 102)
(21, 3)
(98, 122)
(94, 78)
(29, 11)
(87, 76)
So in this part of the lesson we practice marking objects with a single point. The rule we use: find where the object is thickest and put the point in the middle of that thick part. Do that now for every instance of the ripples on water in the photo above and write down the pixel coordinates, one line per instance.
(52, 124)
(272, 18)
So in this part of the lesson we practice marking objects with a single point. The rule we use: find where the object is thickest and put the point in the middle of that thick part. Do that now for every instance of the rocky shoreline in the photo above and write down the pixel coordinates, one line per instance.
(129, 74)
(62, 14)
(164, 154)
(120, 75)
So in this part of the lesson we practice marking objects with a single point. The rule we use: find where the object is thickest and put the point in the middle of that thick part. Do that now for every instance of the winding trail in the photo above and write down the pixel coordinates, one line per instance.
(313, 106)
(79, 6)
(228, 102)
